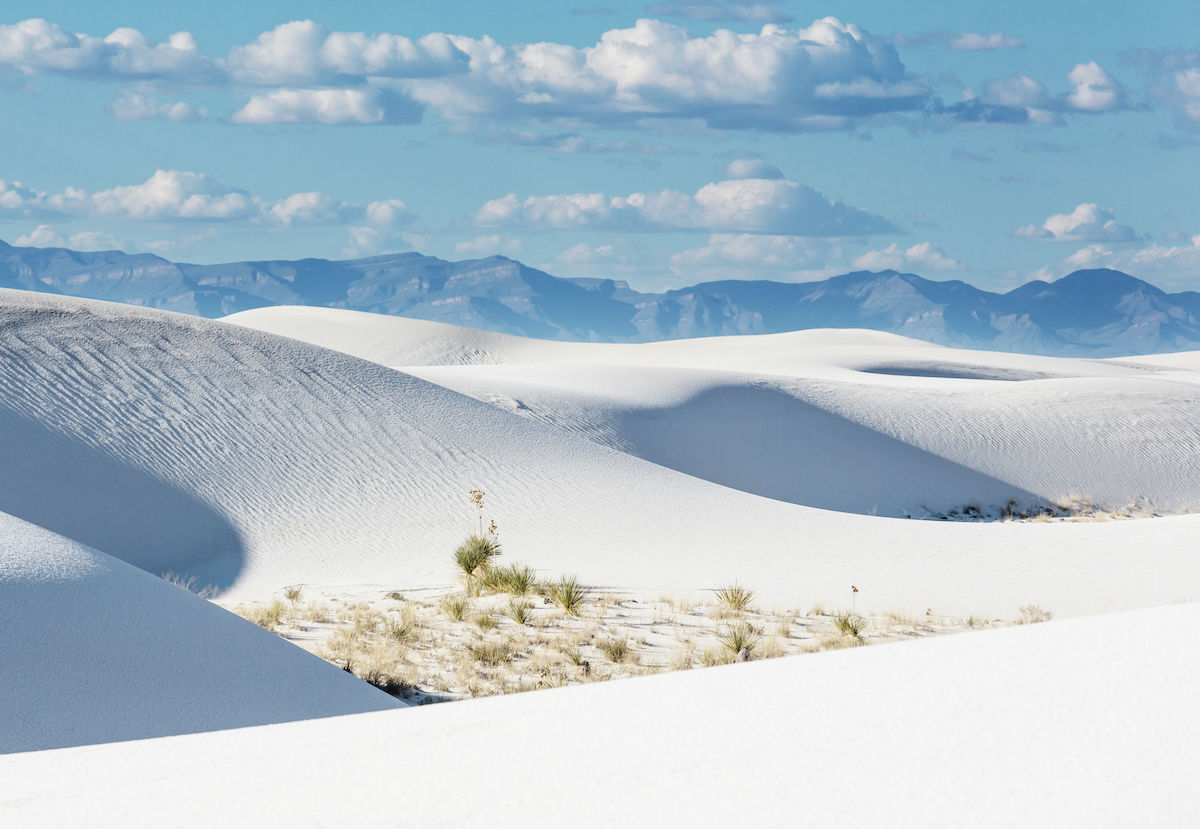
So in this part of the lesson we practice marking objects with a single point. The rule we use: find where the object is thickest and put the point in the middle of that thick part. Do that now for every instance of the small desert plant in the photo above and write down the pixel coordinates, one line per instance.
(190, 584)
(518, 610)
(476, 554)
(268, 616)
(456, 607)
(574, 655)
(517, 579)
(1032, 614)
(567, 593)
(292, 594)
(739, 640)
(615, 650)
(403, 628)
(735, 597)
(491, 652)
(486, 622)
(849, 624)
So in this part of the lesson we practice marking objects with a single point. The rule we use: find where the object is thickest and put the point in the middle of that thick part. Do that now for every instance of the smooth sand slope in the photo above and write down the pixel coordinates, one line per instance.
(847, 420)
(1086, 722)
(296, 464)
(94, 650)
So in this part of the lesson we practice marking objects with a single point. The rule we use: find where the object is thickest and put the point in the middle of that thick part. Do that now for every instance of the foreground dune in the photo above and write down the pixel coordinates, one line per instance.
(1082, 723)
(96, 650)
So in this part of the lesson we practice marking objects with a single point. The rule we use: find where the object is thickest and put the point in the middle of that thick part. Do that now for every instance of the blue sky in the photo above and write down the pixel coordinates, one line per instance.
(665, 143)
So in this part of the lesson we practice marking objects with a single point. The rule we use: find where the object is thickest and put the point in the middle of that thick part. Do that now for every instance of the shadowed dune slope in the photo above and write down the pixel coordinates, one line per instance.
(95, 650)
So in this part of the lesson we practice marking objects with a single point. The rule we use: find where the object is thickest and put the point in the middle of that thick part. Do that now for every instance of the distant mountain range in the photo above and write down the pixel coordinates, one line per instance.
(1088, 313)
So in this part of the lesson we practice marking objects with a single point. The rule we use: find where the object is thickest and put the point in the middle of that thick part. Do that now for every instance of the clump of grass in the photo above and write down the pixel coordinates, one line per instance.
(683, 657)
(486, 622)
(403, 628)
(475, 555)
(1032, 614)
(574, 655)
(518, 610)
(456, 607)
(567, 593)
(734, 597)
(739, 640)
(614, 649)
(849, 624)
(491, 652)
(292, 594)
(267, 617)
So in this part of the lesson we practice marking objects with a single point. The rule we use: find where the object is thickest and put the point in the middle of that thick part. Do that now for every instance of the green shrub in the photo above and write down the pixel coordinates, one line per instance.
(567, 593)
(475, 554)
(739, 639)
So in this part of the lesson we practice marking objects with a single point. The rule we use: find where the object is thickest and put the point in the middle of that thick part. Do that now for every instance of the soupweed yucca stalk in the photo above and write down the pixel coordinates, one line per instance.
(476, 496)
(735, 597)
(567, 593)
(739, 640)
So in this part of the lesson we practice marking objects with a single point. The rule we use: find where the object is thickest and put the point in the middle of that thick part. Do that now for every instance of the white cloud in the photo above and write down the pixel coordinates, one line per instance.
(751, 168)
(1093, 89)
(820, 77)
(483, 246)
(923, 256)
(328, 106)
(584, 254)
(303, 52)
(133, 105)
(743, 252)
(777, 207)
(1172, 267)
(1088, 222)
(974, 42)
(176, 195)
(37, 47)
(44, 236)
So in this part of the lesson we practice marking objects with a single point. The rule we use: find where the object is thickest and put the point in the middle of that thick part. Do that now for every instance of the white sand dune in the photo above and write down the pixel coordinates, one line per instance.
(95, 650)
(848, 420)
(1086, 722)
(290, 463)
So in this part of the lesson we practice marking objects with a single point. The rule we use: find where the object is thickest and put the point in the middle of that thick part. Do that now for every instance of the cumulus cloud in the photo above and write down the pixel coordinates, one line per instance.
(38, 47)
(748, 206)
(328, 106)
(1093, 89)
(176, 195)
(751, 168)
(584, 254)
(709, 10)
(1020, 99)
(133, 105)
(306, 53)
(822, 77)
(924, 256)
(1173, 267)
(1088, 222)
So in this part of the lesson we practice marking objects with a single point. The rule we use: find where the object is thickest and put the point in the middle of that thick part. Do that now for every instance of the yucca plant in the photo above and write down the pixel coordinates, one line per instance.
(517, 579)
(739, 640)
(475, 554)
(850, 624)
(735, 597)
(456, 607)
(567, 593)
(518, 610)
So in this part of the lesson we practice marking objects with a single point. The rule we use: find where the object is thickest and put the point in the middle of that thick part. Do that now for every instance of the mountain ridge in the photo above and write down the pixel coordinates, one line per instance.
(1097, 313)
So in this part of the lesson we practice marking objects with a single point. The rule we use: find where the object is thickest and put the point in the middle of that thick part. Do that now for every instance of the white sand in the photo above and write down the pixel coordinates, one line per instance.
(1080, 723)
